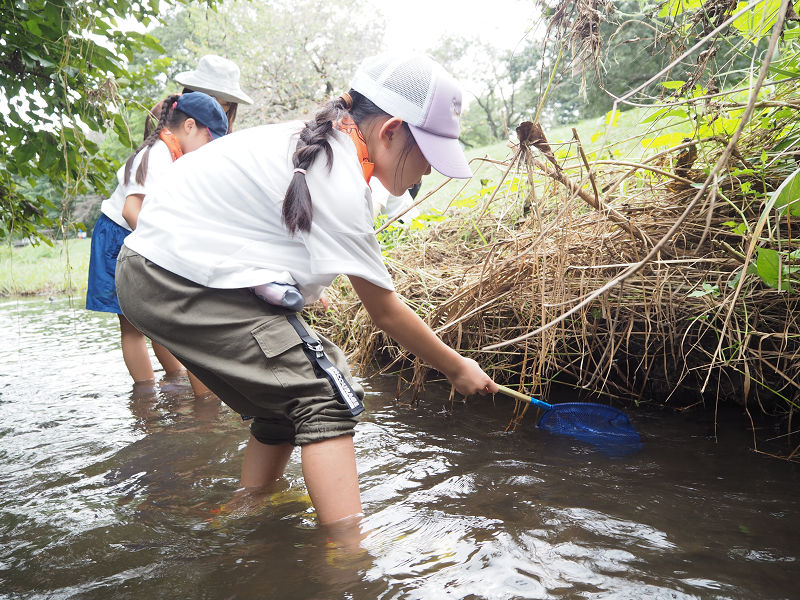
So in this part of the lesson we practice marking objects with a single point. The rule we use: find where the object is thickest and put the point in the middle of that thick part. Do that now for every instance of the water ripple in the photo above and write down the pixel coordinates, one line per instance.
(113, 492)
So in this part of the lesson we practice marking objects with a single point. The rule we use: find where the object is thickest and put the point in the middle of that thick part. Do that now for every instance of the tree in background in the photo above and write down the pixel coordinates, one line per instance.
(292, 54)
(74, 86)
(607, 48)
(589, 54)
(512, 82)
(499, 75)
(63, 76)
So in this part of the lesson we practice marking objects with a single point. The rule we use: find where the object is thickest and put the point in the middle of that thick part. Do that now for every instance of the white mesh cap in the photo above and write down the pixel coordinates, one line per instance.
(416, 89)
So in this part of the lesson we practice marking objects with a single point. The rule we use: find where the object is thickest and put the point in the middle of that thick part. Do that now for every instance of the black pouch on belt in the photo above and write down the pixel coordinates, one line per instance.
(316, 355)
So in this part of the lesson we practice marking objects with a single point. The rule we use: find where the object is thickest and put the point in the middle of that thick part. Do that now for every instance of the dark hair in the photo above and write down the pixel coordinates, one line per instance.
(230, 113)
(170, 118)
(298, 211)
(150, 120)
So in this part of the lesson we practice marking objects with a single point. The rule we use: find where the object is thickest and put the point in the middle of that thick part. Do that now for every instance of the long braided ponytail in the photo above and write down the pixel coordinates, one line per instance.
(169, 118)
(298, 210)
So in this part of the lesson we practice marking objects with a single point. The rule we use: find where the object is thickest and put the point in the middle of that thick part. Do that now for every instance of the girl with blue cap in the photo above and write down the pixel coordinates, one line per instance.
(290, 204)
(186, 123)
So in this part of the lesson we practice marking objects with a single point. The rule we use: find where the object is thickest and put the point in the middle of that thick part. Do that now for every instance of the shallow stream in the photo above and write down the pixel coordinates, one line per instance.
(107, 492)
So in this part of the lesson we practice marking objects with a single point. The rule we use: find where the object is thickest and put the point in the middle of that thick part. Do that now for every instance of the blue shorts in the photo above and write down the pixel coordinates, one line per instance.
(101, 291)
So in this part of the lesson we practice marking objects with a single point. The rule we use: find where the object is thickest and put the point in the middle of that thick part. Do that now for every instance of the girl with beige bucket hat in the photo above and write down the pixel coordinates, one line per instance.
(217, 77)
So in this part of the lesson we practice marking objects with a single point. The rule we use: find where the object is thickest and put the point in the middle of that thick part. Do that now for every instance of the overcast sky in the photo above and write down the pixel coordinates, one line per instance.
(419, 24)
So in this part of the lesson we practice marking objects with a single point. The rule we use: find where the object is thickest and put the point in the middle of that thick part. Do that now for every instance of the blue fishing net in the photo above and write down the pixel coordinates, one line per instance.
(590, 422)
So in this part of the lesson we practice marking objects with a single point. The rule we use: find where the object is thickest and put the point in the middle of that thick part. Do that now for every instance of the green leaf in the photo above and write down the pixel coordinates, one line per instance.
(24, 153)
(673, 85)
(735, 279)
(674, 8)
(741, 228)
(15, 135)
(707, 289)
(664, 113)
(149, 41)
(787, 196)
(756, 22)
(122, 130)
(768, 263)
(612, 118)
(668, 139)
(33, 26)
(699, 90)
(48, 155)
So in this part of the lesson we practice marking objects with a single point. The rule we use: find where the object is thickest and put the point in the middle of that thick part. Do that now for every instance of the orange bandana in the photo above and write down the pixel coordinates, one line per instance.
(172, 143)
(348, 126)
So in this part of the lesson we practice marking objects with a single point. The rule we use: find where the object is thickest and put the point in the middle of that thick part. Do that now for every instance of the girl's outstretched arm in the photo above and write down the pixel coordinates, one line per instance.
(394, 317)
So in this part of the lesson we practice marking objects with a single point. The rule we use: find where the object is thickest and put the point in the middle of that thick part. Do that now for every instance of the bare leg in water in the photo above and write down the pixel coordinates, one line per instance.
(172, 366)
(137, 358)
(134, 352)
(329, 470)
(331, 477)
(198, 387)
(264, 464)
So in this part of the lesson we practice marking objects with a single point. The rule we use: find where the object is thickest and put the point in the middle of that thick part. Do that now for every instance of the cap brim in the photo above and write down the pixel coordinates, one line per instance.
(190, 79)
(443, 153)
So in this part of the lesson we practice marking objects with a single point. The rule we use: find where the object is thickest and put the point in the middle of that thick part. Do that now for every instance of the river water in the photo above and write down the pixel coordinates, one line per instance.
(109, 492)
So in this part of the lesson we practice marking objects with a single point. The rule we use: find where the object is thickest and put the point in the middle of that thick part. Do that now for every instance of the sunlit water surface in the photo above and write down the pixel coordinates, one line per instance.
(111, 493)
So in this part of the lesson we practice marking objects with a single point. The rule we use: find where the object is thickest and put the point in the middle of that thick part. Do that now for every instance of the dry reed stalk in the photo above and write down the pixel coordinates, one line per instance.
(635, 297)
(647, 341)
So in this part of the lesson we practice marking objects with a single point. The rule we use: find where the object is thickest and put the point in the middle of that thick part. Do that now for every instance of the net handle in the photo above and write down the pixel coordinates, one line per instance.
(524, 397)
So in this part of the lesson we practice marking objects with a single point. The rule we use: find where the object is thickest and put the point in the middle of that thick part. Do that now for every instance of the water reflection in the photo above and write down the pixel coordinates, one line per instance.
(109, 491)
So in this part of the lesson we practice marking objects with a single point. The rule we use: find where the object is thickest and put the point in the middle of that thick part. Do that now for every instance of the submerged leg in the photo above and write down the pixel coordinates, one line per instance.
(198, 387)
(329, 469)
(134, 352)
(264, 463)
(172, 366)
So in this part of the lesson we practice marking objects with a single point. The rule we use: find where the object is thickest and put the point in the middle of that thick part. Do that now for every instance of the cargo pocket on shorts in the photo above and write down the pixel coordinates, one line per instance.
(283, 349)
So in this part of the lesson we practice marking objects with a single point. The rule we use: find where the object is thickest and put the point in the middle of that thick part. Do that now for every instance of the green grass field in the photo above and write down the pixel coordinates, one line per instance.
(44, 270)
(598, 135)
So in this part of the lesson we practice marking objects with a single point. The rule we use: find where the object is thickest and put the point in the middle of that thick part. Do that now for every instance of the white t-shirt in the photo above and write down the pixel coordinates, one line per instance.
(387, 204)
(216, 220)
(157, 162)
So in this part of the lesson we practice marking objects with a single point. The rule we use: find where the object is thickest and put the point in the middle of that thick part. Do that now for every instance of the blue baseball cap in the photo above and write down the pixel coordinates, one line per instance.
(205, 110)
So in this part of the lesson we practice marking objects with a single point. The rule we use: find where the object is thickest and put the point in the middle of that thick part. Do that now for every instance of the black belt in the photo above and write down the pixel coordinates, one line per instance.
(316, 355)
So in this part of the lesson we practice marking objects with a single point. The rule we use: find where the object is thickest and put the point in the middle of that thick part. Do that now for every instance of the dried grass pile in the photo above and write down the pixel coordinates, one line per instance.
(623, 279)
(495, 281)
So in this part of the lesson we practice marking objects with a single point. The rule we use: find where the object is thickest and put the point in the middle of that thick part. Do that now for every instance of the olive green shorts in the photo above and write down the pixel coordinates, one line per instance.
(242, 348)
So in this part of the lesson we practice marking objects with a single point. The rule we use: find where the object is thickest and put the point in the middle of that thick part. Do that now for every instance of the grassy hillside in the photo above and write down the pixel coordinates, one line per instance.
(48, 270)
(605, 135)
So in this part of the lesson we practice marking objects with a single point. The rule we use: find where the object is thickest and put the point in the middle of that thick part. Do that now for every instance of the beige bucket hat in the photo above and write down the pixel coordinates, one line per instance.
(216, 76)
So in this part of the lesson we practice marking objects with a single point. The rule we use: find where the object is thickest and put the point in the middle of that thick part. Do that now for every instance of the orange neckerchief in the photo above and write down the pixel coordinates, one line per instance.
(172, 143)
(348, 126)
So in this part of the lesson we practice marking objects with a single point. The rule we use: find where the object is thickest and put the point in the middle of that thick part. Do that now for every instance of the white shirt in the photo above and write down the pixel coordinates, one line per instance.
(216, 219)
(387, 204)
(157, 162)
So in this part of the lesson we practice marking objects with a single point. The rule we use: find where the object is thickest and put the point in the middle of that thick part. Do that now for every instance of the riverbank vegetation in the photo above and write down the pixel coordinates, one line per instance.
(631, 230)
(668, 276)
(44, 269)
